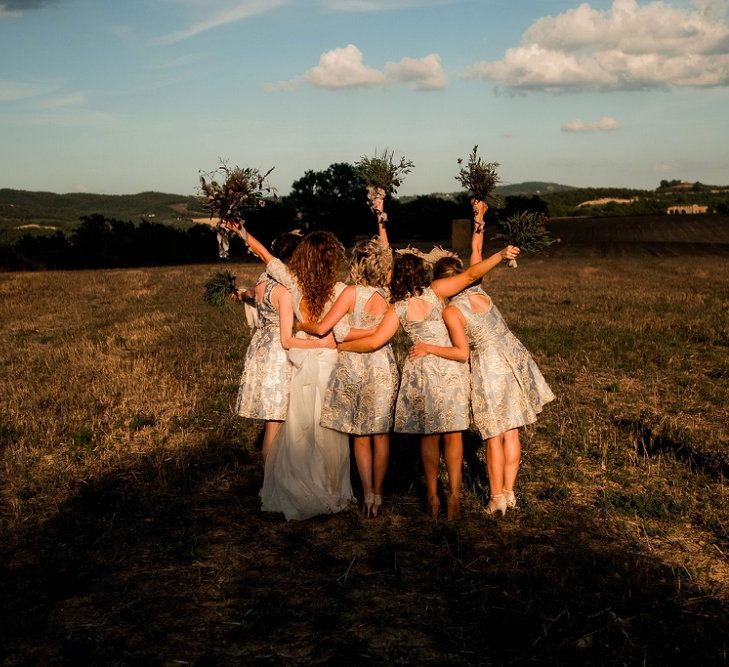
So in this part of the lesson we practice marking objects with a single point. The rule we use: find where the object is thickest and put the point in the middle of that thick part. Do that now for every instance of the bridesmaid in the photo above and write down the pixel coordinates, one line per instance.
(507, 388)
(360, 399)
(433, 396)
(264, 384)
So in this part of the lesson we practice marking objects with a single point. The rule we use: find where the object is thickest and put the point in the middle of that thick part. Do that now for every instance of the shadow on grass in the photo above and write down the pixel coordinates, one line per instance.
(174, 562)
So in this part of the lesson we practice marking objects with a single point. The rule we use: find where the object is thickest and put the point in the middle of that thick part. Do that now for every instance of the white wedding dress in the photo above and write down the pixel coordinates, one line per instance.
(307, 470)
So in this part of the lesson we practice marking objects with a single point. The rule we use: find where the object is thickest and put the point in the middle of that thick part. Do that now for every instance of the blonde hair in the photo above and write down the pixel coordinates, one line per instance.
(371, 262)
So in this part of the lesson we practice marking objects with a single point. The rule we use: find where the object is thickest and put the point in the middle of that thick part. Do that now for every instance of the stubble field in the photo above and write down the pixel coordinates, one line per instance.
(131, 529)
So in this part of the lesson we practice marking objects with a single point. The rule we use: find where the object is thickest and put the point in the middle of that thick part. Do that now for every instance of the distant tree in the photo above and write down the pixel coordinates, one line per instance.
(42, 251)
(332, 199)
(516, 204)
(427, 217)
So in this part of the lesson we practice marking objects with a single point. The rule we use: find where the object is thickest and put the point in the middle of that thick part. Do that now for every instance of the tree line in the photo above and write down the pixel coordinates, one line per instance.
(331, 199)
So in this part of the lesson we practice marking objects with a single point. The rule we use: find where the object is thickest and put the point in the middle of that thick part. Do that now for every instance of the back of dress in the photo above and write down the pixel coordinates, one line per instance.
(431, 329)
(507, 389)
(433, 395)
(360, 398)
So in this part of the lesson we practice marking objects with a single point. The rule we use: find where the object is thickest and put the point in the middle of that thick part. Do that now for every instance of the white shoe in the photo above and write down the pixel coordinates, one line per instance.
(510, 499)
(497, 504)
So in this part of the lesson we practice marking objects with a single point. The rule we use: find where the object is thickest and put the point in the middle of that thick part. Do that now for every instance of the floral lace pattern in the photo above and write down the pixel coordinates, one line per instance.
(433, 396)
(264, 384)
(507, 388)
(360, 399)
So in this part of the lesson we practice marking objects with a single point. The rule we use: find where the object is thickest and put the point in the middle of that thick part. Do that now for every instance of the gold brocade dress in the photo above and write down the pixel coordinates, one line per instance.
(264, 384)
(360, 399)
(507, 388)
(433, 396)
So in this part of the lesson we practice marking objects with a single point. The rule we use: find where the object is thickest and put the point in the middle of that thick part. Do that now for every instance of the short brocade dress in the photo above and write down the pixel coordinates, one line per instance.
(433, 396)
(264, 384)
(507, 389)
(360, 399)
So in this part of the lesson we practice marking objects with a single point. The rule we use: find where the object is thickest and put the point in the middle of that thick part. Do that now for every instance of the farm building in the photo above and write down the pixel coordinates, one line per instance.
(687, 209)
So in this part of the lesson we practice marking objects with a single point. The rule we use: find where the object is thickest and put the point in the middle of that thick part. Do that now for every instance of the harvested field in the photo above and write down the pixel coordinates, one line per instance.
(131, 529)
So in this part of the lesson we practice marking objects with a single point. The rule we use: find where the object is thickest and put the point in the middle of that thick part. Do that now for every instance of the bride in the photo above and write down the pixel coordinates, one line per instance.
(307, 469)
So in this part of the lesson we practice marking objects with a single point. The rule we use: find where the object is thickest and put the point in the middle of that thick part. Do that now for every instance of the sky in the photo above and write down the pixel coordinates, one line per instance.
(123, 97)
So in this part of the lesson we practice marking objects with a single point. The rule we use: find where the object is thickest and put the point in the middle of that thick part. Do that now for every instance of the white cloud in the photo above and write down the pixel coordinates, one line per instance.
(282, 86)
(378, 5)
(663, 168)
(626, 47)
(345, 68)
(72, 100)
(10, 91)
(425, 73)
(605, 124)
(240, 12)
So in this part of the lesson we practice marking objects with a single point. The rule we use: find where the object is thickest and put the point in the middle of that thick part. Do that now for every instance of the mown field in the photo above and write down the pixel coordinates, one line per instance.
(131, 529)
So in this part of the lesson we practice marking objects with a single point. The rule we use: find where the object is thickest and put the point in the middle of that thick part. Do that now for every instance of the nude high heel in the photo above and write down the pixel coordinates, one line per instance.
(510, 499)
(496, 504)
(376, 504)
(369, 501)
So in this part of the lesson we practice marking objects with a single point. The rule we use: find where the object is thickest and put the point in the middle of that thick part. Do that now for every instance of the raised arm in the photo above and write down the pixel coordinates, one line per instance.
(282, 300)
(379, 337)
(456, 324)
(257, 248)
(479, 210)
(343, 305)
(447, 287)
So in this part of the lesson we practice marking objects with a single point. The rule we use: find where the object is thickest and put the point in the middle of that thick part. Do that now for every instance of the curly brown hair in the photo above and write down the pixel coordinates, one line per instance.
(284, 245)
(410, 276)
(315, 264)
(446, 267)
(371, 262)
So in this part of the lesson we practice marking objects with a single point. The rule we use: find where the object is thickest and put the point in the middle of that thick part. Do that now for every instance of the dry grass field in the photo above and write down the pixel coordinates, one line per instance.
(130, 519)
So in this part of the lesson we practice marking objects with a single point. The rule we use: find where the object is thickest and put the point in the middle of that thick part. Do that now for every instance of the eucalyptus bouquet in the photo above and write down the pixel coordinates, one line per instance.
(382, 176)
(230, 194)
(527, 231)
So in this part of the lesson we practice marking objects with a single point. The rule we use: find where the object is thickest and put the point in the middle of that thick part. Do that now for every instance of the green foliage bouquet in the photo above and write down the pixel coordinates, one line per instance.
(382, 176)
(233, 198)
(527, 231)
(218, 288)
(479, 178)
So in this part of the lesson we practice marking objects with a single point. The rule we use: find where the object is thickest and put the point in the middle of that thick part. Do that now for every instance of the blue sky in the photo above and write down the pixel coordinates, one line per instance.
(118, 97)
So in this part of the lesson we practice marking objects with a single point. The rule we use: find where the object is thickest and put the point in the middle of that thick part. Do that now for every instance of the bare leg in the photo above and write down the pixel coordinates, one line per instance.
(495, 464)
(382, 456)
(270, 431)
(430, 453)
(363, 456)
(453, 450)
(512, 459)
(495, 467)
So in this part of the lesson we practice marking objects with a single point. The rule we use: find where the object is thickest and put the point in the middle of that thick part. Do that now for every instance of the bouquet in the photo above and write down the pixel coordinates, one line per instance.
(232, 200)
(218, 288)
(382, 176)
(527, 231)
(479, 178)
